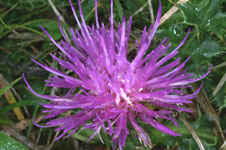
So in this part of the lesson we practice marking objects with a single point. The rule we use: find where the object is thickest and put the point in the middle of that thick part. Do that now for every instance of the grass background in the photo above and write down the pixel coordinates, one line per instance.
(22, 39)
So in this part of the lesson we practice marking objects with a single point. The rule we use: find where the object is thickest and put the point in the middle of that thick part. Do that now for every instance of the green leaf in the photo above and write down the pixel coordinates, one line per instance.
(88, 8)
(8, 143)
(209, 48)
(201, 44)
(106, 139)
(200, 14)
(84, 134)
(51, 27)
(224, 104)
(220, 98)
(218, 25)
(201, 126)
(119, 9)
(6, 88)
(4, 120)
(17, 104)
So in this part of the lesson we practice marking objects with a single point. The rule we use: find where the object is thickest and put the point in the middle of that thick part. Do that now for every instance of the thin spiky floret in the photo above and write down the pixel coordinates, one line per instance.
(115, 92)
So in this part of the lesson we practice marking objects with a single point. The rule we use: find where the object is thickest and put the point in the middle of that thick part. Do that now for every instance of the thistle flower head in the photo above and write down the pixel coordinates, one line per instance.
(114, 91)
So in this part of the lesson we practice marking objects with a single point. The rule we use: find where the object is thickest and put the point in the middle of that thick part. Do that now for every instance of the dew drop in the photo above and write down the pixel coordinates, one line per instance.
(176, 30)
(197, 9)
(208, 22)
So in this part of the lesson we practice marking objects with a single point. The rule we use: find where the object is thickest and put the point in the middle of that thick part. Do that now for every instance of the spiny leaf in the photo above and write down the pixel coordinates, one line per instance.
(8, 143)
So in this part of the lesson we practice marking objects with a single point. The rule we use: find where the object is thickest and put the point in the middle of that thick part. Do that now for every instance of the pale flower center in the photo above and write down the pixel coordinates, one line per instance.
(122, 96)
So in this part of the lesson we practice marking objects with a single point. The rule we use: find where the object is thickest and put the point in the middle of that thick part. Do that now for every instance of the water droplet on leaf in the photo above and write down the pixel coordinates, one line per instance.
(208, 22)
(197, 9)
(176, 30)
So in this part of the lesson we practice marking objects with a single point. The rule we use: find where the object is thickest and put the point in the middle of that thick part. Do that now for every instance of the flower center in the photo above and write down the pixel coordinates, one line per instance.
(122, 97)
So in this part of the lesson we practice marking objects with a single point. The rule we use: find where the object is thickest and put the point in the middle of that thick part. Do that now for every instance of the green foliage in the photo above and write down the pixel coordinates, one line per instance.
(6, 88)
(119, 9)
(204, 16)
(22, 39)
(8, 143)
(18, 104)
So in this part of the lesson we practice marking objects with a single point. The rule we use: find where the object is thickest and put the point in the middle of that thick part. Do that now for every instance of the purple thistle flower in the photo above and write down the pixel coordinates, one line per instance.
(114, 91)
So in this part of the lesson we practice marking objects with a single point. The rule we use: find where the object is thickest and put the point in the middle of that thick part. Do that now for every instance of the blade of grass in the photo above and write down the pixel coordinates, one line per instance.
(151, 12)
(220, 65)
(11, 100)
(192, 131)
(219, 86)
(106, 140)
(4, 24)
(34, 115)
(119, 9)
(17, 104)
(10, 28)
(89, 15)
(204, 101)
(9, 95)
(140, 9)
(6, 12)
(6, 87)
(171, 11)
